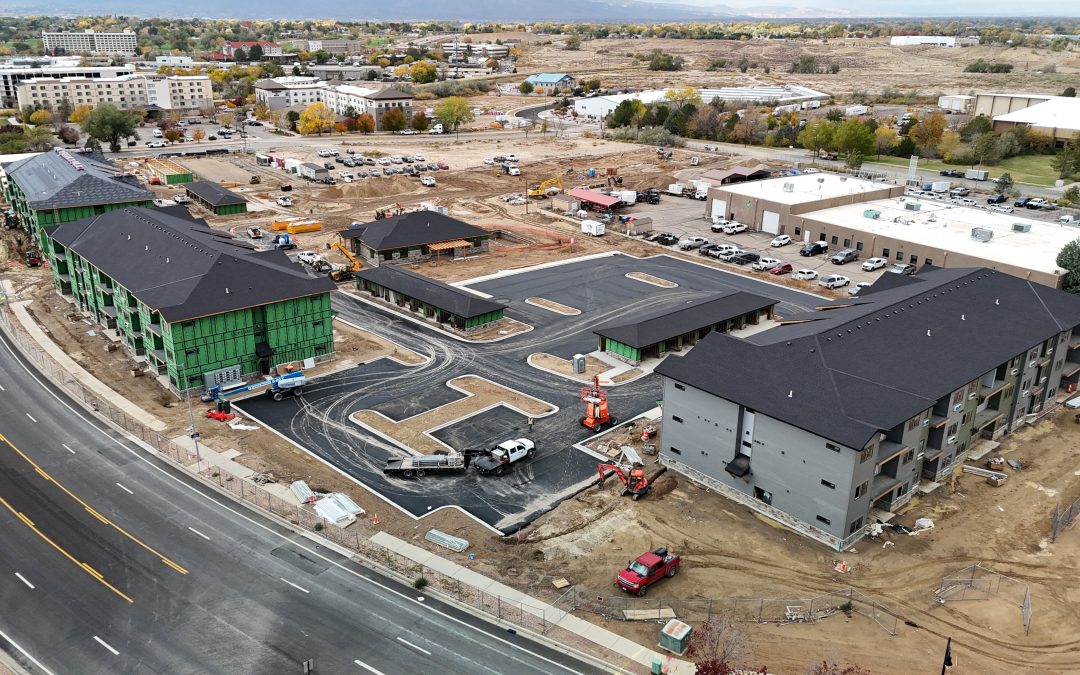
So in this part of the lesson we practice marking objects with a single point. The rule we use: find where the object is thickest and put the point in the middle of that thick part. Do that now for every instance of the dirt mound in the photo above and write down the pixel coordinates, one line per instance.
(371, 187)
(330, 193)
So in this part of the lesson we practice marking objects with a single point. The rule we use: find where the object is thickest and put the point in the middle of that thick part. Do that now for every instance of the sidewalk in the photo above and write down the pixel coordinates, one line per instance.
(601, 636)
(87, 380)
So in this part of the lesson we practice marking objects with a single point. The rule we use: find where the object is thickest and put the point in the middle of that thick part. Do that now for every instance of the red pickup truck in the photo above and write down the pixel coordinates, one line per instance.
(647, 569)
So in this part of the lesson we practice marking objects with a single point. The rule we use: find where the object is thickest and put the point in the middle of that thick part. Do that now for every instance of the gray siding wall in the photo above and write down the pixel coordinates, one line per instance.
(785, 461)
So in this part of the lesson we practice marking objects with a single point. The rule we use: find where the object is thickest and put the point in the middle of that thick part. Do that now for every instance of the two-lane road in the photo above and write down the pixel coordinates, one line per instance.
(112, 563)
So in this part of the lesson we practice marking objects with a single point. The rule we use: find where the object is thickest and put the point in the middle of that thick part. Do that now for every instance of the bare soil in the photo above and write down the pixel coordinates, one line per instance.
(593, 366)
(650, 279)
(412, 432)
(553, 306)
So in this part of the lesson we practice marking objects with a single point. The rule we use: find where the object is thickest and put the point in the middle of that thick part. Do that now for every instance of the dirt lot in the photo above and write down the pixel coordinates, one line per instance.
(865, 65)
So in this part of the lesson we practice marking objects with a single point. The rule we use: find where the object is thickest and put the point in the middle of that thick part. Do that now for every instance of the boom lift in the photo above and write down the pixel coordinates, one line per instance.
(389, 211)
(278, 386)
(597, 416)
(348, 255)
(630, 470)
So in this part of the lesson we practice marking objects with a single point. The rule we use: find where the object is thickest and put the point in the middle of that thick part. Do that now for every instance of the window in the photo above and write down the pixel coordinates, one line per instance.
(823, 519)
(908, 456)
(900, 255)
(958, 397)
(798, 231)
(951, 431)
(834, 240)
(831, 486)
(858, 246)
(856, 525)
(676, 418)
(914, 259)
(675, 450)
(929, 261)
(866, 454)
(833, 447)
(860, 490)
(680, 387)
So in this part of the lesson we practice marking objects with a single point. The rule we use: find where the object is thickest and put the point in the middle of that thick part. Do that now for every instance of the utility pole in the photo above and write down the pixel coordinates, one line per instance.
(191, 417)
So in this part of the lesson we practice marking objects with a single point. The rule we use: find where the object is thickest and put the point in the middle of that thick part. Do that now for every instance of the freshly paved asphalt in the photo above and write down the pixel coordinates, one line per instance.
(256, 598)
(599, 288)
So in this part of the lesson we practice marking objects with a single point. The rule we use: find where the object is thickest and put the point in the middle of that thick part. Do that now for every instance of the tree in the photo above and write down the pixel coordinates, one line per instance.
(63, 110)
(256, 53)
(705, 123)
(717, 645)
(1003, 184)
(1070, 92)
(853, 159)
(38, 139)
(393, 120)
(1071, 196)
(423, 72)
(834, 668)
(854, 136)
(572, 43)
(835, 115)
(975, 128)
(627, 112)
(239, 55)
(658, 60)
(885, 139)
(453, 112)
(69, 135)
(526, 87)
(80, 114)
(227, 118)
(1067, 162)
(986, 149)
(41, 117)
(107, 123)
(316, 118)
(817, 135)
(685, 95)
(198, 135)
(419, 121)
(365, 123)
(1069, 260)
(748, 129)
(950, 141)
(927, 132)
(173, 135)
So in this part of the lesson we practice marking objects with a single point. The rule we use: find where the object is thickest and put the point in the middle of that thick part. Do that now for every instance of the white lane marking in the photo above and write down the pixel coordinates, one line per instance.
(367, 667)
(23, 579)
(65, 446)
(31, 418)
(106, 645)
(124, 489)
(2, 388)
(419, 649)
(141, 456)
(199, 533)
(299, 588)
(25, 653)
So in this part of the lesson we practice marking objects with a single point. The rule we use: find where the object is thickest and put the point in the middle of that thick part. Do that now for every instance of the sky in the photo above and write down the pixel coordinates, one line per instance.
(910, 8)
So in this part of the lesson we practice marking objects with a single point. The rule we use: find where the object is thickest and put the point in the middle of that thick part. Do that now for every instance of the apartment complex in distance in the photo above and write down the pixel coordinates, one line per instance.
(837, 416)
(329, 46)
(285, 92)
(268, 48)
(165, 92)
(90, 41)
(11, 76)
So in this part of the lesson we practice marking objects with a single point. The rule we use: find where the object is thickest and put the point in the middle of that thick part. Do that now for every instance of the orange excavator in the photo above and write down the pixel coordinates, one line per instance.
(597, 416)
(630, 470)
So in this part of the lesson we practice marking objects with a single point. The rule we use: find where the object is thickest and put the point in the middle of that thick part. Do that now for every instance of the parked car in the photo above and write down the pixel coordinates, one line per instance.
(407, 159)
(1037, 203)
(156, 144)
(692, 242)
(665, 239)
(488, 161)
(418, 157)
(959, 192)
(735, 228)
(874, 264)
(707, 249)
(728, 255)
(782, 240)
(854, 290)
(995, 199)
(443, 165)
(833, 281)
(845, 256)
(284, 201)
(746, 258)
(1002, 208)
(719, 224)
(782, 268)
(814, 248)
(805, 275)
(1022, 202)
(428, 181)
(409, 132)
(952, 173)
(765, 264)
(903, 268)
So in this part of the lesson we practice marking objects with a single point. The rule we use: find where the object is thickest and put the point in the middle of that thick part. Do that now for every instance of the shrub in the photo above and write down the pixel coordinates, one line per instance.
(983, 66)
(318, 527)
(717, 64)
(658, 60)
(420, 582)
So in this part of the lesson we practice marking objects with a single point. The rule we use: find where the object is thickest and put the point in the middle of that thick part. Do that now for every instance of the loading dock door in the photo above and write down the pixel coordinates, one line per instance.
(770, 222)
(719, 209)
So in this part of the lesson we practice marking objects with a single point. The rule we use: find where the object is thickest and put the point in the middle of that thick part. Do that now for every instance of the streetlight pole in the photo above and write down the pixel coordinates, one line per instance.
(191, 417)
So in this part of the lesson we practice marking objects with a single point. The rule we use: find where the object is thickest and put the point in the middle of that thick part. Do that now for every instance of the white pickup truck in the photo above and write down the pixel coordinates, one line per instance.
(503, 455)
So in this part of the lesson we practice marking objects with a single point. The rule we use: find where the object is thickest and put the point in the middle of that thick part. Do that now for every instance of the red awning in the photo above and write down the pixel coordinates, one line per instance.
(593, 197)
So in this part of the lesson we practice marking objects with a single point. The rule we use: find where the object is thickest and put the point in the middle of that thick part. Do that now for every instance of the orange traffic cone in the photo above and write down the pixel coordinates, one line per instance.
(375, 520)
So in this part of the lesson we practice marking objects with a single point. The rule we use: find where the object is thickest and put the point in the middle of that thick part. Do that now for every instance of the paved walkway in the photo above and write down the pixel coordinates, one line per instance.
(78, 372)
(600, 636)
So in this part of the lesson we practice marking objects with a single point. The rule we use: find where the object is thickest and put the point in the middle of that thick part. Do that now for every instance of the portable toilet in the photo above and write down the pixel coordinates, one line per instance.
(579, 363)
(591, 173)
(675, 636)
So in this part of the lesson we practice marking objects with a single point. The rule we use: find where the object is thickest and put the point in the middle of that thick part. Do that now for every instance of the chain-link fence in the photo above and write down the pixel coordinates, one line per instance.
(978, 583)
(534, 616)
(1062, 518)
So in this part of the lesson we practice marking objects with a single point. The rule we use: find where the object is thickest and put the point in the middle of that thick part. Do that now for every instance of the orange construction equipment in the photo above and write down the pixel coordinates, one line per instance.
(630, 470)
(389, 211)
(597, 416)
(345, 252)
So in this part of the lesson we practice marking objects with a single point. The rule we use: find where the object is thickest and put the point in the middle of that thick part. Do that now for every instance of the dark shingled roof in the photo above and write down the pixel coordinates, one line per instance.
(387, 94)
(214, 194)
(179, 266)
(412, 229)
(65, 178)
(683, 317)
(436, 293)
(861, 365)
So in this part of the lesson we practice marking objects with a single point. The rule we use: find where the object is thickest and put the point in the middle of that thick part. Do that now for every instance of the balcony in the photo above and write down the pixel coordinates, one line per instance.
(882, 486)
(937, 421)
(158, 354)
(110, 310)
(155, 328)
(985, 418)
(890, 450)
(998, 385)
(60, 255)
(1070, 368)
(104, 288)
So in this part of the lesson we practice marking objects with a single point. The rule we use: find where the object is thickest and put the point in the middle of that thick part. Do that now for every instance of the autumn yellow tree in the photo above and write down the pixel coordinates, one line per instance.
(198, 135)
(227, 118)
(41, 117)
(316, 118)
(680, 96)
(81, 113)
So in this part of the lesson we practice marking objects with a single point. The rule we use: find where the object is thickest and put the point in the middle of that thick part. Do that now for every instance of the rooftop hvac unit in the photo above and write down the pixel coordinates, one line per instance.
(913, 206)
(982, 234)
(871, 213)
(1021, 227)
(789, 187)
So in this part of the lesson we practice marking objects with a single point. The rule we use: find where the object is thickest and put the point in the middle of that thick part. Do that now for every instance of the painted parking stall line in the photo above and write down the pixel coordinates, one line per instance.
(106, 645)
(25, 581)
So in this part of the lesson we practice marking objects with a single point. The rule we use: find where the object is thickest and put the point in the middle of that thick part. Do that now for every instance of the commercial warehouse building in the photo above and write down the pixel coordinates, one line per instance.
(189, 300)
(216, 199)
(67, 185)
(672, 329)
(435, 301)
(415, 236)
(1058, 118)
(838, 416)
(768, 205)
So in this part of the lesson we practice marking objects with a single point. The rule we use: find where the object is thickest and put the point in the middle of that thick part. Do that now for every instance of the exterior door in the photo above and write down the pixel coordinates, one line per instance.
(747, 441)
(719, 208)
(770, 222)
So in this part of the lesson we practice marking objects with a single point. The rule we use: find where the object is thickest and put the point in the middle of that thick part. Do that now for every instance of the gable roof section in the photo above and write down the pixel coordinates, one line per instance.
(387, 94)
(546, 78)
(182, 268)
(684, 317)
(739, 173)
(869, 363)
(436, 293)
(214, 194)
(64, 178)
(593, 197)
(412, 229)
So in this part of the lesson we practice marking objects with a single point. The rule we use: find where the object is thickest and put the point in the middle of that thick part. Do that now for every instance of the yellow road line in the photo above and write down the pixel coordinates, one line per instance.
(91, 510)
(86, 568)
